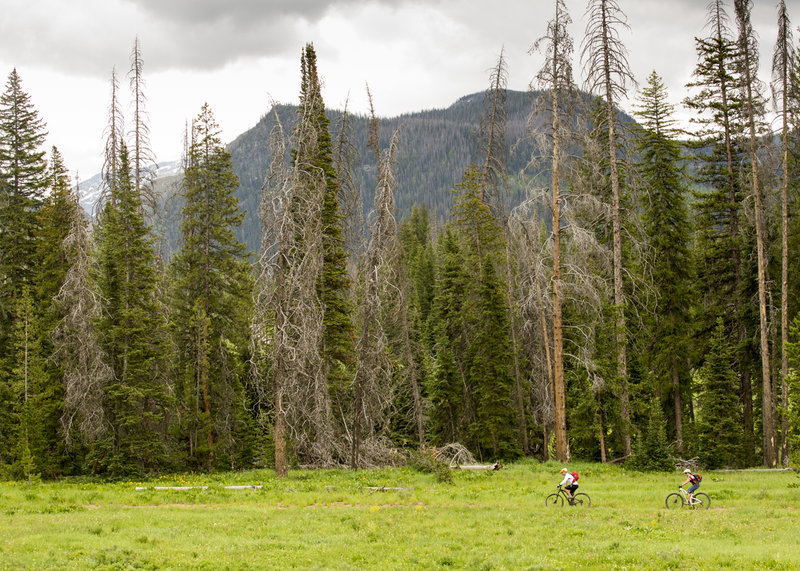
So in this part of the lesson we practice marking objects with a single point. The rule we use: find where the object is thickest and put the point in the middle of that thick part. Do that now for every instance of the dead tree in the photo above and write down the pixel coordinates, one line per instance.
(752, 111)
(605, 62)
(76, 346)
(372, 391)
(782, 61)
(556, 77)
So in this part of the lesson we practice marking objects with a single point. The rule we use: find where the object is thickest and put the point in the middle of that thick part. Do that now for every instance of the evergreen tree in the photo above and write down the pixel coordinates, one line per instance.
(447, 391)
(312, 154)
(132, 331)
(29, 400)
(485, 362)
(720, 238)
(212, 286)
(23, 170)
(719, 426)
(53, 261)
(489, 364)
(651, 452)
(667, 226)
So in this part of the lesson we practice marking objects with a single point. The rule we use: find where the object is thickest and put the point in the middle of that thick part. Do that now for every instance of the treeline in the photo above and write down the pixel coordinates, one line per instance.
(624, 310)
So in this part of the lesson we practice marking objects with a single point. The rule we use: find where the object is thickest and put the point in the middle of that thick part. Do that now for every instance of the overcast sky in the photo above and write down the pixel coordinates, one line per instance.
(237, 55)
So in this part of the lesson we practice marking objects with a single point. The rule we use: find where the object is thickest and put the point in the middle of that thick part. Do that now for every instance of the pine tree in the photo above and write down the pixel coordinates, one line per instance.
(667, 226)
(449, 395)
(53, 261)
(312, 153)
(719, 220)
(719, 430)
(489, 364)
(30, 399)
(211, 296)
(652, 452)
(23, 170)
(132, 330)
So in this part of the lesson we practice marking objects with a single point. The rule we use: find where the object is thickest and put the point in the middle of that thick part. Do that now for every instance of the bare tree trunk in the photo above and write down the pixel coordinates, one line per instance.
(603, 457)
(676, 401)
(608, 72)
(562, 444)
(745, 36)
(782, 61)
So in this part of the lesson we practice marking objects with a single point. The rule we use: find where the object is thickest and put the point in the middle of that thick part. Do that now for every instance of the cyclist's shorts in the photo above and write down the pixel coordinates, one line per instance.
(693, 487)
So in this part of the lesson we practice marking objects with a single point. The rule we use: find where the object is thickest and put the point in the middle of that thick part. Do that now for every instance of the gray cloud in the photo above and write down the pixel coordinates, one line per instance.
(88, 37)
(242, 12)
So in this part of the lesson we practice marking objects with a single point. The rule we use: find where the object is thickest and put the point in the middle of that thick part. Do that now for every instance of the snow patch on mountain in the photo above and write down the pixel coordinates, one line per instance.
(90, 190)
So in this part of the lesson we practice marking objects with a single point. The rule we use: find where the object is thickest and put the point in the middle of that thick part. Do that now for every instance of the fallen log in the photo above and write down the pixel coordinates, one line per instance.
(495, 466)
(140, 488)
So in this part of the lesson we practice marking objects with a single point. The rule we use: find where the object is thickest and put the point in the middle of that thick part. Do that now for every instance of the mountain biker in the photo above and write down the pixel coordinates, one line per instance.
(568, 483)
(695, 481)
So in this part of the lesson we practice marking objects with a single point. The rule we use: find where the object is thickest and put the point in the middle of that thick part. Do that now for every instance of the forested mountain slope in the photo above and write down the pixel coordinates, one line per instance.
(435, 148)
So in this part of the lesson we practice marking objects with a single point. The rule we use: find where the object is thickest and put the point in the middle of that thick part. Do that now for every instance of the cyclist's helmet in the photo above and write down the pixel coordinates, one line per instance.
(687, 471)
(563, 470)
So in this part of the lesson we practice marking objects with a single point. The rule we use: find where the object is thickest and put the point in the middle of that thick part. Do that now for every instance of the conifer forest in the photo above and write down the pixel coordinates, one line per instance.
(627, 291)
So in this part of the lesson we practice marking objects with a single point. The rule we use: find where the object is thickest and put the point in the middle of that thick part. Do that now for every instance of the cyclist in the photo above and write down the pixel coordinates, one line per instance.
(694, 480)
(568, 483)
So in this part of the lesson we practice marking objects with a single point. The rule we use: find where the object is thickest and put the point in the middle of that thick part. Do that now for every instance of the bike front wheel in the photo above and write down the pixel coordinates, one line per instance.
(674, 501)
(581, 500)
(701, 501)
(554, 501)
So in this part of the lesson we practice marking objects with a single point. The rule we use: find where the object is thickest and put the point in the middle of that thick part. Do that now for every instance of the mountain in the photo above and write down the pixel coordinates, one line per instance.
(91, 189)
(435, 148)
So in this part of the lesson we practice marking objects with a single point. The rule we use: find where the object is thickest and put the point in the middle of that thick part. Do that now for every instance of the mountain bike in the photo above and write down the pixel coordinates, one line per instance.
(700, 501)
(558, 498)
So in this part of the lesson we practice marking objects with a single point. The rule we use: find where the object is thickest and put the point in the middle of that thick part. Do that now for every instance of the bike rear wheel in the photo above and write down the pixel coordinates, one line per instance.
(581, 500)
(554, 501)
(674, 501)
(701, 501)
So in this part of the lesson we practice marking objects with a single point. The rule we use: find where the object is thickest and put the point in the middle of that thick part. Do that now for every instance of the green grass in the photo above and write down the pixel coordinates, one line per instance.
(330, 520)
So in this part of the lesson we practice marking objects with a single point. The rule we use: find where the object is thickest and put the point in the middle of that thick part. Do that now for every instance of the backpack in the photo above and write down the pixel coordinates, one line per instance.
(574, 476)
(698, 478)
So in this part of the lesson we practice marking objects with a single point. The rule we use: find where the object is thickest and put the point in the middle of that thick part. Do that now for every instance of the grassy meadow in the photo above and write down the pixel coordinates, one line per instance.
(330, 519)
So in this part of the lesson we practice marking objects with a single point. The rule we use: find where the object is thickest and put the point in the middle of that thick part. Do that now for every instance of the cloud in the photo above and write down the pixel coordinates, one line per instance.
(88, 37)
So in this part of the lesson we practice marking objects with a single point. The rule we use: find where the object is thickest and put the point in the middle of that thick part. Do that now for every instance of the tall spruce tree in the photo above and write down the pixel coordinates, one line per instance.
(451, 400)
(314, 153)
(720, 433)
(53, 261)
(720, 239)
(132, 331)
(487, 364)
(211, 298)
(667, 227)
(23, 170)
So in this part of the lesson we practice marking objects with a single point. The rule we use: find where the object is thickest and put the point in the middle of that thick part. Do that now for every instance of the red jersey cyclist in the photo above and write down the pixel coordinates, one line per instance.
(569, 482)
(694, 480)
